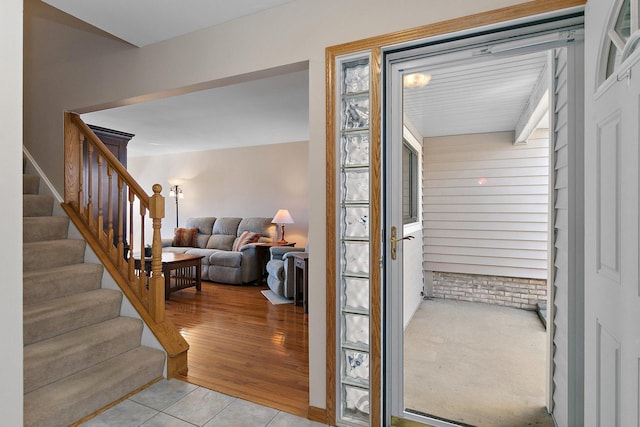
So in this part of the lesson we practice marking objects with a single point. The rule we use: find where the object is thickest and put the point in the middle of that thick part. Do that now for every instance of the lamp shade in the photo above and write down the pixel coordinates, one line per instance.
(282, 217)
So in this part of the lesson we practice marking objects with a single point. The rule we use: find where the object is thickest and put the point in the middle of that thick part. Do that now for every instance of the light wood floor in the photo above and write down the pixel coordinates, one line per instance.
(244, 346)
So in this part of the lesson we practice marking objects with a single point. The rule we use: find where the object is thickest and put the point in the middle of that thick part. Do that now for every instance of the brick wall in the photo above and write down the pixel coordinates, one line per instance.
(507, 291)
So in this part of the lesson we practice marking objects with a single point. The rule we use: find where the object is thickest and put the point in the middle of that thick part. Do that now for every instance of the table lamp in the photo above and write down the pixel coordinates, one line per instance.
(282, 217)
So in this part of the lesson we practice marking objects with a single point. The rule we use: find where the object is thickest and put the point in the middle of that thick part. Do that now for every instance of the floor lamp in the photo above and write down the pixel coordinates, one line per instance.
(176, 191)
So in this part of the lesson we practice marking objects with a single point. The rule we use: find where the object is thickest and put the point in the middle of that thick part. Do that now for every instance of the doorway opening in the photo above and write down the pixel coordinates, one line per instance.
(225, 323)
(475, 349)
(474, 346)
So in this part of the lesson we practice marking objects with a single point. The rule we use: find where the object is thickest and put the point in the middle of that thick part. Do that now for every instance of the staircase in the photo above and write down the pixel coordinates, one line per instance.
(80, 355)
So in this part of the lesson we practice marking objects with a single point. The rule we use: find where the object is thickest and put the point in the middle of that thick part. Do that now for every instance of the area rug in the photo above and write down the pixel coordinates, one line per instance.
(274, 298)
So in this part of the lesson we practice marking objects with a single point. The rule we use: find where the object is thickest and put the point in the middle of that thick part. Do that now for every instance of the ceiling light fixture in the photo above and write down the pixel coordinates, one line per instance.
(416, 80)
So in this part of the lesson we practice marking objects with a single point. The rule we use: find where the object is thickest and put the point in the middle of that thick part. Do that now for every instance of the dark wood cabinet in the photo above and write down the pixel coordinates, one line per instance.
(116, 141)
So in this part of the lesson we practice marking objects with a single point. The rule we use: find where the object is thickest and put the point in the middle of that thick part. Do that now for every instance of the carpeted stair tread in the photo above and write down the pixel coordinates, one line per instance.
(58, 282)
(70, 399)
(43, 228)
(79, 354)
(54, 253)
(48, 361)
(30, 184)
(37, 205)
(50, 318)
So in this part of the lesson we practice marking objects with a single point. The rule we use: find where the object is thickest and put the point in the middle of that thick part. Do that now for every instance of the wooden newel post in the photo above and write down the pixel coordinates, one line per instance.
(72, 159)
(156, 281)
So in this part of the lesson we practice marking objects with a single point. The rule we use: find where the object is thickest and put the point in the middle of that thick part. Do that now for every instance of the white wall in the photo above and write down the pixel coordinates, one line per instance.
(241, 182)
(72, 66)
(486, 205)
(567, 293)
(11, 224)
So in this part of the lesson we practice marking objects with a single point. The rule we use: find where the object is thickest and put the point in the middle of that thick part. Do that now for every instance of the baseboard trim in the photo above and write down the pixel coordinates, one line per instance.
(318, 415)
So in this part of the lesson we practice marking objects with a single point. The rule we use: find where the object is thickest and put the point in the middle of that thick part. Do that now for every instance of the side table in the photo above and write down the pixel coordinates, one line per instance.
(301, 279)
(262, 257)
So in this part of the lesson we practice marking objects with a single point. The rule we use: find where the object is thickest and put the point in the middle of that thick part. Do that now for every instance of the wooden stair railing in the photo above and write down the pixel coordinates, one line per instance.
(90, 168)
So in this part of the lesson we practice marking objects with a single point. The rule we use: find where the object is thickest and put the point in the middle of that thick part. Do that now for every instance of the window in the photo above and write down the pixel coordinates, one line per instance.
(409, 184)
(622, 36)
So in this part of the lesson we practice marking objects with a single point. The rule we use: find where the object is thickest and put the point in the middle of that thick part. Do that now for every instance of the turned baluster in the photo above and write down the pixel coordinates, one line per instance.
(156, 282)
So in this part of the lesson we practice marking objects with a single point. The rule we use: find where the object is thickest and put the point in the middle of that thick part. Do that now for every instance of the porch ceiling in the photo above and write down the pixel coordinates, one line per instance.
(474, 98)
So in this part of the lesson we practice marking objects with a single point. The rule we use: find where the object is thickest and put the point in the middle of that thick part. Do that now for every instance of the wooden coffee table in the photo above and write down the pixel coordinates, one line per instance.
(180, 271)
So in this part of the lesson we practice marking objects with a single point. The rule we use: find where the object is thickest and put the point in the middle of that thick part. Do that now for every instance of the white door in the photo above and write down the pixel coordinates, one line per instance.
(612, 302)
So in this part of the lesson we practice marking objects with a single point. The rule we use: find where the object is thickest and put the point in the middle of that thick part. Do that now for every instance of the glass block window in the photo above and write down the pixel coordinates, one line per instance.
(353, 252)
(622, 35)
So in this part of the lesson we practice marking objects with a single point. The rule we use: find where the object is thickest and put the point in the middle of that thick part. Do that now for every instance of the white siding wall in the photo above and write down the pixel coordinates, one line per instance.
(567, 275)
(486, 205)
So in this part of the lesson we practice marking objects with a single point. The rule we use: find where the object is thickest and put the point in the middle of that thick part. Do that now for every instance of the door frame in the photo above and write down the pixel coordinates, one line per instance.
(375, 45)
(451, 54)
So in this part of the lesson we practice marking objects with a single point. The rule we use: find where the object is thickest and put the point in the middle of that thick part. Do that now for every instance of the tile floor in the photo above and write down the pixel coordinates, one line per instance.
(174, 403)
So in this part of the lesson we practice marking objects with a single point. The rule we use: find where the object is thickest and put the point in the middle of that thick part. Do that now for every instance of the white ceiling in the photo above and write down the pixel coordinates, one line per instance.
(474, 98)
(143, 22)
(266, 111)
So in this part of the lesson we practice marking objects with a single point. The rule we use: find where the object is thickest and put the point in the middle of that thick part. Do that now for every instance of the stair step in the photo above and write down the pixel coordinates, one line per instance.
(48, 361)
(30, 184)
(58, 282)
(75, 397)
(541, 309)
(79, 354)
(50, 318)
(54, 253)
(37, 205)
(42, 228)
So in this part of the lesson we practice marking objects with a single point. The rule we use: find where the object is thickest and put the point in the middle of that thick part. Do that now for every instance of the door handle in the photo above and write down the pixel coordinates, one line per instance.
(395, 240)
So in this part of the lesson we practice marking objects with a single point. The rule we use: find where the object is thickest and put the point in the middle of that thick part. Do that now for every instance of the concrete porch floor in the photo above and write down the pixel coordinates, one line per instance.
(477, 364)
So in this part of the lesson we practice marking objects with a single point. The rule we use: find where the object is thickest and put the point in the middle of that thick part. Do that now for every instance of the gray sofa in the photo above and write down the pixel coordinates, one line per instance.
(214, 241)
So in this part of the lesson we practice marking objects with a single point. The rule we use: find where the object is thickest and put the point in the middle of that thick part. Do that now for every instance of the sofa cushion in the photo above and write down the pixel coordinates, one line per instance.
(205, 253)
(185, 237)
(225, 259)
(245, 238)
(205, 228)
(227, 225)
(261, 225)
(220, 241)
(203, 224)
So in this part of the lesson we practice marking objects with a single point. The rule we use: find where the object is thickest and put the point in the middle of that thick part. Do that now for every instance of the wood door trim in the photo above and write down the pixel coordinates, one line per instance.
(375, 44)
(375, 224)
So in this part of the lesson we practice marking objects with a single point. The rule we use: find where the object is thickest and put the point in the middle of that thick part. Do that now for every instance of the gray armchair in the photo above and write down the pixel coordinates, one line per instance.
(280, 269)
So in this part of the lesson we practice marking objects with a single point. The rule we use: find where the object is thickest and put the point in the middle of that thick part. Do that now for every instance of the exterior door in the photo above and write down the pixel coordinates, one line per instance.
(566, 39)
(612, 302)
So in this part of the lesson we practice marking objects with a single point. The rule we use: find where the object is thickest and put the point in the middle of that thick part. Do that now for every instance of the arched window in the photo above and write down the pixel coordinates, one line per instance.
(622, 38)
